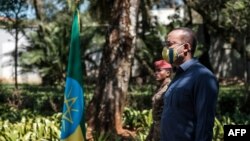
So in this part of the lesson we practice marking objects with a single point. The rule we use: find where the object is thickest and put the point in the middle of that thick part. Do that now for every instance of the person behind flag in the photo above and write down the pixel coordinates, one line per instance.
(73, 123)
(162, 74)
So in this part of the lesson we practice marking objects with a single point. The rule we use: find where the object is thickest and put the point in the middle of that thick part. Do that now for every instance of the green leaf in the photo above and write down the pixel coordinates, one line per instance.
(239, 5)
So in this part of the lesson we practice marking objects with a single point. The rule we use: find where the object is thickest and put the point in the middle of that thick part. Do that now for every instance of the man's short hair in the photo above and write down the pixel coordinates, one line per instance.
(189, 36)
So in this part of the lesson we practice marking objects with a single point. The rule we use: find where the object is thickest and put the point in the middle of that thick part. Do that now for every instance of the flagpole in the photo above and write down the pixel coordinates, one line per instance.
(73, 116)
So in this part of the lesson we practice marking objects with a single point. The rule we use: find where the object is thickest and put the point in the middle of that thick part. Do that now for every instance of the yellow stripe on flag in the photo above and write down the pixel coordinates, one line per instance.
(76, 136)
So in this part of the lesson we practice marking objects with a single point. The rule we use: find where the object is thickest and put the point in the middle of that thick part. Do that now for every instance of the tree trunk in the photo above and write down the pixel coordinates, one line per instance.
(104, 112)
(246, 78)
(39, 10)
(16, 54)
(204, 38)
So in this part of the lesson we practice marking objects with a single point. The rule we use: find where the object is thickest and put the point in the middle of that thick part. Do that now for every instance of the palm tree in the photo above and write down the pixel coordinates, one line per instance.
(49, 41)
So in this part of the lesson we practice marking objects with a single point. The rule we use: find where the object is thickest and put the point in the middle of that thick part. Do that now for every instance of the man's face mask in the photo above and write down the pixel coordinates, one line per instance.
(171, 54)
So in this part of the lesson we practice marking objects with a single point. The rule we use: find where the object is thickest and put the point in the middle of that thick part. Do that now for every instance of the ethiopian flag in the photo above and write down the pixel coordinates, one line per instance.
(73, 124)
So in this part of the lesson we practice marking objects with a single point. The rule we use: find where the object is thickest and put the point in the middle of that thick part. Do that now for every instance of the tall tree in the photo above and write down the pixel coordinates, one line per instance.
(228, 22)
(107, 105)
(15, 12)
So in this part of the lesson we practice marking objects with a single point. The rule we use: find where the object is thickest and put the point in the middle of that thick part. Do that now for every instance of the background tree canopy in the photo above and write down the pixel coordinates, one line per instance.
(120, 40)
(48, 34)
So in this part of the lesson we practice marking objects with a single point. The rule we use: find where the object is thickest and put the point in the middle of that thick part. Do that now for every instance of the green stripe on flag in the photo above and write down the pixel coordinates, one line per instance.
(74, 64)
(73, 118)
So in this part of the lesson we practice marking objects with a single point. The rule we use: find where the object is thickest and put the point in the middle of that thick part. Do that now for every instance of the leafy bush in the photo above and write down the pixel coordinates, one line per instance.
(134, 119)
(138, 120)
(140, 97)
(30, 127)
(35, 119)
(218, 131)
(230, 99)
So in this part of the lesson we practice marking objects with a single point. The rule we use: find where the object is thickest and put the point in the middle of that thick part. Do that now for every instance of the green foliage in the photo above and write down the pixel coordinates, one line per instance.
(12, 114)
(236, 14)
(135, 119)
(218, 130)
(49, 46)
(30, 127)
(231, 99)
(139, 97)
(32, 122)
(35, 98)
(101, 10)
(49, 53)
(228, 19)
(39, 98)
(139, 121)
(13, 9)
(101, 137)
(106, 137)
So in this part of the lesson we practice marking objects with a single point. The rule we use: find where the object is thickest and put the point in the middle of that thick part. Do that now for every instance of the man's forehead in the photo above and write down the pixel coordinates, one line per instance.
(174, 36)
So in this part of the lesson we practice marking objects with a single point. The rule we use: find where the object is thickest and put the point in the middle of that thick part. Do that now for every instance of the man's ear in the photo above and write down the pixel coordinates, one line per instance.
(187, 47)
